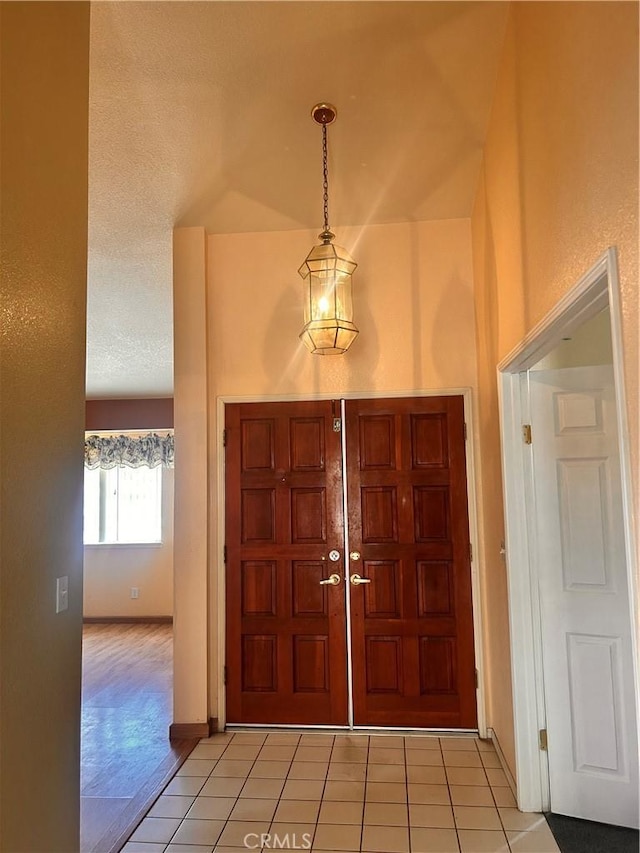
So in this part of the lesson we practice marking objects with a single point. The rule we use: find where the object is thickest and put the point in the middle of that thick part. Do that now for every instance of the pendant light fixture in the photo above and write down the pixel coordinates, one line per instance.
(328, 309)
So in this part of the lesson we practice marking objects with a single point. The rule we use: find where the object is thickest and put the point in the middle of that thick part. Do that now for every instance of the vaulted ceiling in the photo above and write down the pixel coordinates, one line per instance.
(200, 115)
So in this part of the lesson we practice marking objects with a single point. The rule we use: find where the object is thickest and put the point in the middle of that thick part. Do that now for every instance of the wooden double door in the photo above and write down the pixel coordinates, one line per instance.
(348, 584)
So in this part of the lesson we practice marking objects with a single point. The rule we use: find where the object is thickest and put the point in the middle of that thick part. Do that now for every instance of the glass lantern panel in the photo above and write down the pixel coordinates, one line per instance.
(344, 261)
(306, 339)
(328, 337)
(325, 251)
(322, 296)
(345, 266)
(327, 257)
(322, 264)
(321, 257)
(344, 302)
(345, 338)
(324, 338)
(308, 303)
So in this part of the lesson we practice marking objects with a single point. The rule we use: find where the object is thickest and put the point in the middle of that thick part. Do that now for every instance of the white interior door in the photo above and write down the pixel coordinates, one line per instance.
(584, 598)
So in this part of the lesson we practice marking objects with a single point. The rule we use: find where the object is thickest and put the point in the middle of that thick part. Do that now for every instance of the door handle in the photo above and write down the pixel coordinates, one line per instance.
(356, 580)
(332, 580)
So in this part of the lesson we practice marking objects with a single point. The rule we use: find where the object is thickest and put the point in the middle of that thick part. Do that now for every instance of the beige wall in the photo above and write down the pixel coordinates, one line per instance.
(412, 302)
(45, 74)
(559, 186)
(413, 296)
(578, 73)
(191, 489)
(111, 570)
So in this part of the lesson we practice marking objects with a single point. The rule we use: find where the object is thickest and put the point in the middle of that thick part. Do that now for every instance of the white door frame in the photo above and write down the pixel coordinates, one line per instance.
(471, 451)
(595, 290)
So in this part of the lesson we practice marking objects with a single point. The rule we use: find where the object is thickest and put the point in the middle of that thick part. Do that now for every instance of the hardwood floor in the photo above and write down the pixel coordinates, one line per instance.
(126, 711)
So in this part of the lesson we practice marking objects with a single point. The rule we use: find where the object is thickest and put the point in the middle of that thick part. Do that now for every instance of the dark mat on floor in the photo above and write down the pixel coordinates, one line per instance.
(585, 836)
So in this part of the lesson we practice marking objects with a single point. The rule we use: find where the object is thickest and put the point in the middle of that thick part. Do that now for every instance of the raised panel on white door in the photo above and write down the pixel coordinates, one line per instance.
(599, 745)
(583, 497)
(578, 413)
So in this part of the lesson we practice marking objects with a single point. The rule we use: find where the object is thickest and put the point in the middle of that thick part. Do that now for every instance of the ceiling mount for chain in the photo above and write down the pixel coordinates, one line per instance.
(324, 113)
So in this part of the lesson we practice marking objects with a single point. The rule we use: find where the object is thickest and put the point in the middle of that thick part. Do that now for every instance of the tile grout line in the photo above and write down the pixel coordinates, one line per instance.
(364, 798)
(453, 813)
(406, 784)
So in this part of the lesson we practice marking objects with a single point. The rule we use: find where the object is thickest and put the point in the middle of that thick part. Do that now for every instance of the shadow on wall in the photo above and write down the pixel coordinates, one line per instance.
(450, 357)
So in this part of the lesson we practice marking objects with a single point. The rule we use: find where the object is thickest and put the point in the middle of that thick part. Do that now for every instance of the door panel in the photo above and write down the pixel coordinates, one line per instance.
(412, 627)
(584, 600)
(286, 641)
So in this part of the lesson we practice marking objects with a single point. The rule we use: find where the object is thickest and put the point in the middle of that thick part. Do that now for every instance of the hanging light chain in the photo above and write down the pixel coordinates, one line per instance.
(325, 177)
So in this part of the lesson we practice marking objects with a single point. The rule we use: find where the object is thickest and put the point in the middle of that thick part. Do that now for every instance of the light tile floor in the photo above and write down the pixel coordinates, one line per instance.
(340, 794)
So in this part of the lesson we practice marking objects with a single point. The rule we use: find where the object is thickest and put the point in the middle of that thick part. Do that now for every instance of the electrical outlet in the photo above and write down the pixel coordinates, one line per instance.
(135, 592)
(62, 593)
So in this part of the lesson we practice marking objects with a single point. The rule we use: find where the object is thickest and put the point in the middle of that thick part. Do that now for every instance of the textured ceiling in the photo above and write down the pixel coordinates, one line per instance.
(200, 115)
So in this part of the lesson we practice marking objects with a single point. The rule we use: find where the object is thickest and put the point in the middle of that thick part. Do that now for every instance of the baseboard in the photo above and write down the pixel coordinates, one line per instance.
(503, 761)
(188, 731)
(123, 620)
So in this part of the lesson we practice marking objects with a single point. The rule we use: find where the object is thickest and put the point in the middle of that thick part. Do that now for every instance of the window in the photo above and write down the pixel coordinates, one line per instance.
(122, 505)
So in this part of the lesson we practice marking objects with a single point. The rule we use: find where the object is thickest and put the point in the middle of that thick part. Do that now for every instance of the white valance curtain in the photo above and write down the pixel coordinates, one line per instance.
(108, 451)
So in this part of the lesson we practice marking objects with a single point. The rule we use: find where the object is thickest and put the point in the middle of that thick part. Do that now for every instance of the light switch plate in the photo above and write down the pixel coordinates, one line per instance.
(62, 594)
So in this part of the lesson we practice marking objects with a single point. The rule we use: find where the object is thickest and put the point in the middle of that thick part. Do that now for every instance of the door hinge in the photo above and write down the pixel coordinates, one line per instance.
(337, 425)
(470, 552)
(224, 554)
(476, 672)
(224, 675)
(224, 438)
(465, 431)
(526, 433)
(542, 739)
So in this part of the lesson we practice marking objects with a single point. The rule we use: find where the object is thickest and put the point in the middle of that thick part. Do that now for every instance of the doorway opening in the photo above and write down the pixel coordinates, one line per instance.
(348, 564)
(570, 559)
(127, 679)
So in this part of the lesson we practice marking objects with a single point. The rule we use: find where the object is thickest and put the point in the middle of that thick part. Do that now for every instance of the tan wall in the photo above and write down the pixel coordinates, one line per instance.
(111, 570)
(413, 305)
(559, 186)
(191, 502)
(45, 75)
(578, 72)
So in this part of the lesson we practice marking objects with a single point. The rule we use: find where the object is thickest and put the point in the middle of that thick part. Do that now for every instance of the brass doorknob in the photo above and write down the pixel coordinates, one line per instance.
(356, 580)
(332, 580)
